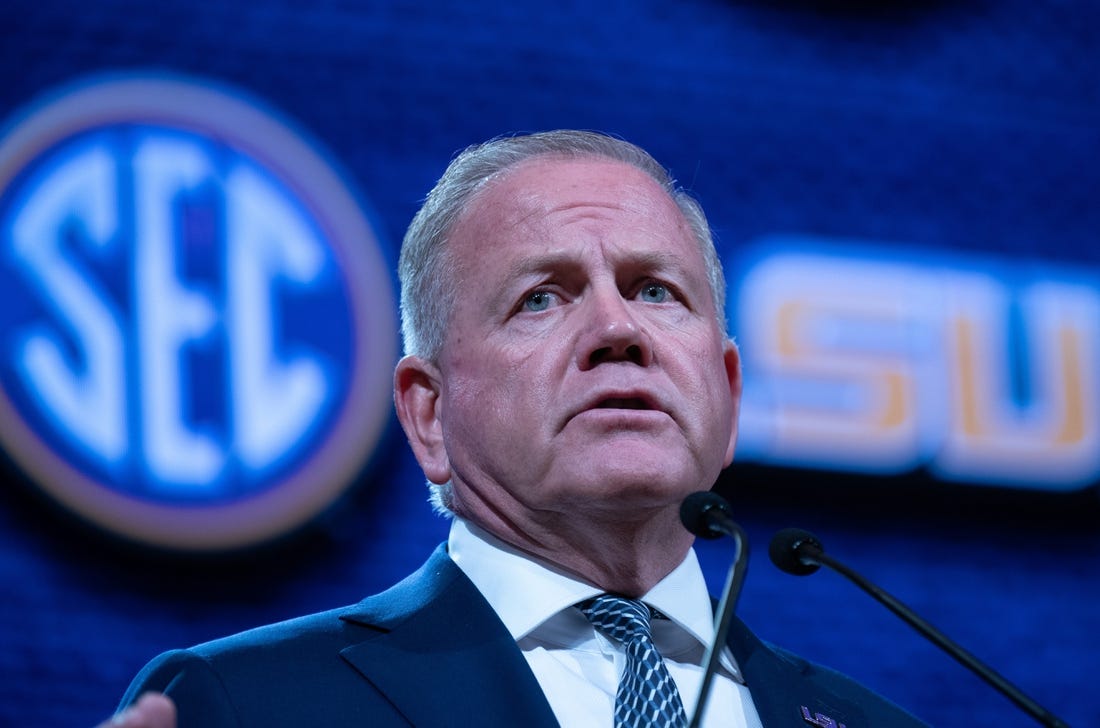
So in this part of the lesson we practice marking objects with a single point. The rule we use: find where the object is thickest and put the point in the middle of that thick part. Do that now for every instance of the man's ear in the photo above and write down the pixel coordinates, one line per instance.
(732, 360)
(416, 396)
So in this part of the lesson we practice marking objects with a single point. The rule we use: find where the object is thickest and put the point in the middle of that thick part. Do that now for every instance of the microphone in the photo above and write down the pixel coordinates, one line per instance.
(707, 515)
(786, 551)
(798, 552)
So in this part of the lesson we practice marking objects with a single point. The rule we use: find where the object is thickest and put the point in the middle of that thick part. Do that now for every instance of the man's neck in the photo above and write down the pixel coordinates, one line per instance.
(624, 555)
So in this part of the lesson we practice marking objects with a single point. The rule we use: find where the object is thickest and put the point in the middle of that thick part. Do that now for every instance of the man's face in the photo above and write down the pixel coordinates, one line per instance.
(583, 367)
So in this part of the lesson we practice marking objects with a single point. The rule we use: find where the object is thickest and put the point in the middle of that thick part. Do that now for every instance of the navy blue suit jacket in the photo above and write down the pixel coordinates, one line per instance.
(431, 652)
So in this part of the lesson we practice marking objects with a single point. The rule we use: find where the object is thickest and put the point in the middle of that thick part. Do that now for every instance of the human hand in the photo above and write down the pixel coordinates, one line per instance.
(152, 710)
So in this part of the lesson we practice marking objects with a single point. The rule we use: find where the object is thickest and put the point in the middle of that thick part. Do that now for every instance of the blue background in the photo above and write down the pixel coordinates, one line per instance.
(964, 126)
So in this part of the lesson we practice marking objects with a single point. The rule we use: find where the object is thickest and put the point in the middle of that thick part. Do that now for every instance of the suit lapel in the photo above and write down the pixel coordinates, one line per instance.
(781, 686)
(442, 656)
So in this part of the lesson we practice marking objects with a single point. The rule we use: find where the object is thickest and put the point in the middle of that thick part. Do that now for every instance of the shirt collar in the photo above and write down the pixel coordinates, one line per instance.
(522, 591)
(526, 592)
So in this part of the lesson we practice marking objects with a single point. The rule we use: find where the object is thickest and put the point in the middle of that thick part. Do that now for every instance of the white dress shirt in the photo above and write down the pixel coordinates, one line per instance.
(577, 666)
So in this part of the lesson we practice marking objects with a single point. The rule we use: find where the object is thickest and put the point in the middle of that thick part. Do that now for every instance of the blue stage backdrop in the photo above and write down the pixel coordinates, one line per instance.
(200, 209)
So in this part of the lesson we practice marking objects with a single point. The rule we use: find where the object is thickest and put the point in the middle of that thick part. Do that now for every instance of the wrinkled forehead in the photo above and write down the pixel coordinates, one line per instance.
(544, 191)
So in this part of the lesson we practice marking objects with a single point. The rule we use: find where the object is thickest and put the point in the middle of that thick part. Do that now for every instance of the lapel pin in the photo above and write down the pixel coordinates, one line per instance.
(821, 721)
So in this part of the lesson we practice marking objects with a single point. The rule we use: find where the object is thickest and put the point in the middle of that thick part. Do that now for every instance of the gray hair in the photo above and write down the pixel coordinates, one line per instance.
(426, 271)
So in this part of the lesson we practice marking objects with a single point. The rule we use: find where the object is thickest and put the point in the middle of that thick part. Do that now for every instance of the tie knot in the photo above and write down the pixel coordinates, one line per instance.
(624, 620)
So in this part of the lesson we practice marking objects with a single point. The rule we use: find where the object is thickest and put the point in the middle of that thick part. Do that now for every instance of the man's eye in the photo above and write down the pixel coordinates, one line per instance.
(655, 293)
(538, 301)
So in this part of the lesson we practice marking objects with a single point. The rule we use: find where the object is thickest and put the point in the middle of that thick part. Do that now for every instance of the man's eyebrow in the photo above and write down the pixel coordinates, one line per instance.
(541, 263)
(656, 260)
(642, 260)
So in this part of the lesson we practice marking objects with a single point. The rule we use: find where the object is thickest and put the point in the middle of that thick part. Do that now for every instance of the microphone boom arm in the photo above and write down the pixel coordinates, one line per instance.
(810, 553)
(726, 607)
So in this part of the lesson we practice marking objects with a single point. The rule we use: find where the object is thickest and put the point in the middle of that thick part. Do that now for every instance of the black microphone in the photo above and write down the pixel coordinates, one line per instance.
(798, 552)
(707, 515)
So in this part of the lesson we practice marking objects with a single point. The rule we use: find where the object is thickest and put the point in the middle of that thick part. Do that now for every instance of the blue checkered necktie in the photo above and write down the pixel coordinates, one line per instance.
(647, 696)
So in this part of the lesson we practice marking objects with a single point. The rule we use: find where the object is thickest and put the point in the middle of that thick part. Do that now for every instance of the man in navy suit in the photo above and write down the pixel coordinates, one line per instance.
(568, 380)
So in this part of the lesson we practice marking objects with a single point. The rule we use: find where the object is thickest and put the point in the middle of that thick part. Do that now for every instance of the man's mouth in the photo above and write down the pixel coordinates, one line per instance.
(631, 403)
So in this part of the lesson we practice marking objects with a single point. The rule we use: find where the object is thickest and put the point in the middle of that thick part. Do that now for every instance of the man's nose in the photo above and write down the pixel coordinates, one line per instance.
(612, 333)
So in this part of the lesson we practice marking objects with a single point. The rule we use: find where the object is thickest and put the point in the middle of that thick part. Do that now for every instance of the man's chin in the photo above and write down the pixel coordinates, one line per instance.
(625, 492)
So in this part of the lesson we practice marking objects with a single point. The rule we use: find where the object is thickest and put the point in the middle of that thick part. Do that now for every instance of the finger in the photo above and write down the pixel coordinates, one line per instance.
(152, 710)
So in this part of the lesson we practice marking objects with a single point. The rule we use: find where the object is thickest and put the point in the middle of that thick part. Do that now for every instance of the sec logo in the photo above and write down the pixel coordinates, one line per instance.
(198, 326)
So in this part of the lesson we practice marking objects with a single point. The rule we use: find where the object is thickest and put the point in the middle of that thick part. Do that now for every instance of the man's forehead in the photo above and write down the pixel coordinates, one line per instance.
(549, 190)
